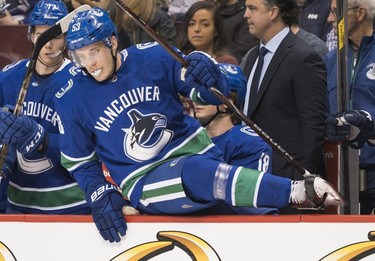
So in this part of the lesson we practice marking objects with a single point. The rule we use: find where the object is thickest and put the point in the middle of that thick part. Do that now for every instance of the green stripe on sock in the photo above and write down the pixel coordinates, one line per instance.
(162, 191)
(56, 198)
(245, 187)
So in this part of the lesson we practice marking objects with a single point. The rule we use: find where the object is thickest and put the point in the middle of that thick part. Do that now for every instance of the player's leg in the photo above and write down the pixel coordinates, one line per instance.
(207, 179)
(164, 193)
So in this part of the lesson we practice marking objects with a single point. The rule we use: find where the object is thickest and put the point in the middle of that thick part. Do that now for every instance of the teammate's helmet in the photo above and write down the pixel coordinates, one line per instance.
(47, 12)
(89, 27)
(237, 81)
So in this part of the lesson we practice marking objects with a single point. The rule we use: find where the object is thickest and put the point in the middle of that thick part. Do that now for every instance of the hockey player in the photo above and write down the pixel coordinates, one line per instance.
(240, 145)
(124, 110)
(39, 183)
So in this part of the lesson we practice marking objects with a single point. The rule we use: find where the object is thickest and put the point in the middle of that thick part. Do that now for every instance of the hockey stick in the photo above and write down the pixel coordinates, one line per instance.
(60, 27)
(348, 157)
(213, 90)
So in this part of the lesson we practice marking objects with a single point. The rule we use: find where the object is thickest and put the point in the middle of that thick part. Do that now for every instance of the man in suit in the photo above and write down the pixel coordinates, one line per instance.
(289, 103)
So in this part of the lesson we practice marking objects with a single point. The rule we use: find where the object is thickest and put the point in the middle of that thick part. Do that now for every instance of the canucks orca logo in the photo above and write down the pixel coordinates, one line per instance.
(147, 136)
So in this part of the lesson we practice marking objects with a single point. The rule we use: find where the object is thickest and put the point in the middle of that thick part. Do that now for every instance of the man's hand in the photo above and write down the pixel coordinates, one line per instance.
(202, 70)
(22, 132)
(355, 126)
(106, 203)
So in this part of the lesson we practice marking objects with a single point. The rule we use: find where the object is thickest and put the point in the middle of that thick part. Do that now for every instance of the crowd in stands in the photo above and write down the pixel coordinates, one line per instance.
(288, 47)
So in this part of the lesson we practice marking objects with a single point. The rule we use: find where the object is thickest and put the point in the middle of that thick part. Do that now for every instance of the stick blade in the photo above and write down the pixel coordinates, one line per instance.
(64, 22)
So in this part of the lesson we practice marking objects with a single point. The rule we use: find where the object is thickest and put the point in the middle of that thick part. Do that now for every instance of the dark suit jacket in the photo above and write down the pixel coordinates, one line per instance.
(291, 105)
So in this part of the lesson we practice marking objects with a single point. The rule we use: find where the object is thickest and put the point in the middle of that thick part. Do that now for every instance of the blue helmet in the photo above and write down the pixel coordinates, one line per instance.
(237, 81)
(47, 12)
(89, 27)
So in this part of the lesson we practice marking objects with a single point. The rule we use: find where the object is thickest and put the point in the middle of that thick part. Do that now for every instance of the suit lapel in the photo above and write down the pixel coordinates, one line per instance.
(253, 54)
(280, 54)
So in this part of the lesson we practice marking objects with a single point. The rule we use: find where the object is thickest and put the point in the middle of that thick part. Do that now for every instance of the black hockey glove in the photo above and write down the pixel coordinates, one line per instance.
(336, 129)
(361, 127)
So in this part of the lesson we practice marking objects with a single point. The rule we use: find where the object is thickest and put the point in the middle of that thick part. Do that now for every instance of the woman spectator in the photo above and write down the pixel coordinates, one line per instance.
(203, 31)
(154, 16)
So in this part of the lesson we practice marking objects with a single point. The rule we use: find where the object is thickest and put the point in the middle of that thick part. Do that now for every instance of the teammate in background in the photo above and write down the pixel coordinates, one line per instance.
(39, 184)
(124, 110)
(240, 145)
(361, 75)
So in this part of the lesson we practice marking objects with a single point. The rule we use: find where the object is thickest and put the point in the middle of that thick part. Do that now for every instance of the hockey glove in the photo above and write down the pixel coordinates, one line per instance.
(361, 126)
(106, 203)
(202, 70)
(336, 129)
(21, 131)
(355, 126)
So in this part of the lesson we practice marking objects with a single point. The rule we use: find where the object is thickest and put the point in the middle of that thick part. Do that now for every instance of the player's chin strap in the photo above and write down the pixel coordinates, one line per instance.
(218, 112)
(114, 58)
(53, 65)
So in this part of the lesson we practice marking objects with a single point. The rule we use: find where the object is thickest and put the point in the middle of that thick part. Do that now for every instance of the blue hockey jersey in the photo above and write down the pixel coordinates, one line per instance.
(40, 184)
(241, 146)
(361, 82)
(133, 123)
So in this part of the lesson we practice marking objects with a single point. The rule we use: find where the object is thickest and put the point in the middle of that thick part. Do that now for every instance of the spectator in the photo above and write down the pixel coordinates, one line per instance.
(235, 28)
(313, 18)
(361, 75)
(203, 31)
(158, 19)
(39, 184)
(289, 103)
(164, 163)
(179, 7)
(331, 42)
(313, 40)
(13, 12)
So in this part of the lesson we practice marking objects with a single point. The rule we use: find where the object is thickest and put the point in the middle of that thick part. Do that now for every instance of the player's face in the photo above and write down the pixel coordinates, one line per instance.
(97, 59)
(259, 18)
(201, 30)
(204, 113)
(53, 51)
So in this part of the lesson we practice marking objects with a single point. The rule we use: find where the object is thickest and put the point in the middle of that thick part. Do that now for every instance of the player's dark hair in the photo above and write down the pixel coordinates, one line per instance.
(220, 42)
(234, 118)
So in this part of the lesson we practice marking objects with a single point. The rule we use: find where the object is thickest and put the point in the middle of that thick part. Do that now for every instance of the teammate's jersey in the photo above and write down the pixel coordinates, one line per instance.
(40, 184)
(241, 146)
(133, 123)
